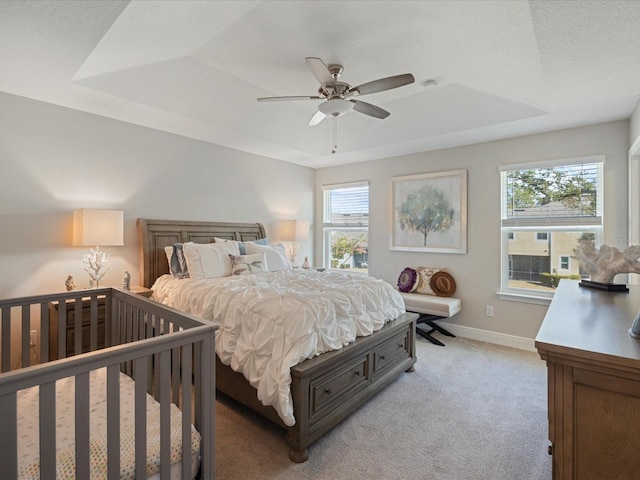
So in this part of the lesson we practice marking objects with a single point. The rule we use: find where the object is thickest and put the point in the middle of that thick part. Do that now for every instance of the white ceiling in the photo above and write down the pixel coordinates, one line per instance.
(195, 68)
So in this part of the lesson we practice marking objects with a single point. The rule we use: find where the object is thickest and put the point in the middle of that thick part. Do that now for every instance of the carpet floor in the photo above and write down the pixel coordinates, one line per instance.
(471, 410)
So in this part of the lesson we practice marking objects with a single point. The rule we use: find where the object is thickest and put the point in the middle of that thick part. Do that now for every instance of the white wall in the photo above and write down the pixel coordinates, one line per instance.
(634, 125)
(54, 160)
(478, 272)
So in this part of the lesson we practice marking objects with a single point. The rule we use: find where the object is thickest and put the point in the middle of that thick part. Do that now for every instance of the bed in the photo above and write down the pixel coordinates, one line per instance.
(325, 389)
(139, 406)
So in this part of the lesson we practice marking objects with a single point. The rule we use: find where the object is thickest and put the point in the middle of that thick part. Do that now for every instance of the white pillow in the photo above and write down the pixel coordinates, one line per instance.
(209, 260)
(276, 259)
(242, 245)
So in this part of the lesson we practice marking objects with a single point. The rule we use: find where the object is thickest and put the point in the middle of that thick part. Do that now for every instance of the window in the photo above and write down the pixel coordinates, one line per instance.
(346, 226)
(552, 206)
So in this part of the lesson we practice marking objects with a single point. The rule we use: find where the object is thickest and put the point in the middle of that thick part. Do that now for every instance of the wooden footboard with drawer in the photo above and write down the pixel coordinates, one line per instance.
(330, 387)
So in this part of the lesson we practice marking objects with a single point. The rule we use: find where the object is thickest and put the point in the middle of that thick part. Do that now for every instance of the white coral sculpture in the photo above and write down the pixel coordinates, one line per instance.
(605, 263)
(96, 264)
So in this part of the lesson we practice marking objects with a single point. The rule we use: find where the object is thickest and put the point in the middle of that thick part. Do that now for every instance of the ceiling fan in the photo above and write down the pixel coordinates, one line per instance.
(337, 94)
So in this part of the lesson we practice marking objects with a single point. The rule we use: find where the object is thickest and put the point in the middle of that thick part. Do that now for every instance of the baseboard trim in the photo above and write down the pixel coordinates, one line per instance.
(488, 336)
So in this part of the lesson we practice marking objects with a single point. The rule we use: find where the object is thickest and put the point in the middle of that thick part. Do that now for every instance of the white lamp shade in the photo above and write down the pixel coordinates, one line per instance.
(294, 230)
(302, 231)
(98, 227)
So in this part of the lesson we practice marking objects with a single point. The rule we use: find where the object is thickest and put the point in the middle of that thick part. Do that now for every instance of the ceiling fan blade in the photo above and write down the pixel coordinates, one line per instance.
(369, 109)
(319, 70)
(316, 119)
(383, 84)
(284, 99)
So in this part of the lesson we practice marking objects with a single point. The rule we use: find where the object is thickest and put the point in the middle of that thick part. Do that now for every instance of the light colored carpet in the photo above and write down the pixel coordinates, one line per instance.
(471, 410)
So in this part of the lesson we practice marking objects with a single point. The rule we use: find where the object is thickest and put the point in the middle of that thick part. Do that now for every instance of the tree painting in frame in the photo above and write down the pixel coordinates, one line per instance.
(430, 212)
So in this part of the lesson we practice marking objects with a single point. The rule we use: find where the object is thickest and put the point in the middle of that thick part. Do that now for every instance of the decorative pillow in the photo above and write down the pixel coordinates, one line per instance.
(209, 260)
(242, 246)
(247, 264)
(276, 258)
(425, 274)
(408, 280)
(177, 263)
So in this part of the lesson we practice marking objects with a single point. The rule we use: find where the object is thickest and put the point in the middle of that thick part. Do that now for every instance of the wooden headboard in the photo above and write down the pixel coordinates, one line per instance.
(157, 234)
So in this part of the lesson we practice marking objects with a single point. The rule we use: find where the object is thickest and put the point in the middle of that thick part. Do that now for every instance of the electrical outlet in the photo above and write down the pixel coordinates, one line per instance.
(33, 337)
(488, 310)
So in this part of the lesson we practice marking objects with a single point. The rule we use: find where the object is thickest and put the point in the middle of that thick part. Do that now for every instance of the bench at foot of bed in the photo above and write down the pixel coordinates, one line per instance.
(431, 308)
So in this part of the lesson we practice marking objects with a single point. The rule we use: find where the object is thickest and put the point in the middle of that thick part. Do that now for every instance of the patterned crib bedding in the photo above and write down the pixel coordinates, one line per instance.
(28, 431)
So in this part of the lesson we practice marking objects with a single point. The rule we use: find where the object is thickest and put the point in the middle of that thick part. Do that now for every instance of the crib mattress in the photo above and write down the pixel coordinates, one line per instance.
(28, 431)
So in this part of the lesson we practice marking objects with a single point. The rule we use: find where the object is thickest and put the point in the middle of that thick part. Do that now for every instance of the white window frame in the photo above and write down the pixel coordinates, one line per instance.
(568, 268)
(328, 227)
(590, 225)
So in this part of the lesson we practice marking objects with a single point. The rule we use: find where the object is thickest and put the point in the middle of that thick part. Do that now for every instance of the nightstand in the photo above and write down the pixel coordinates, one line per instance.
(144, 291)
(86, 324)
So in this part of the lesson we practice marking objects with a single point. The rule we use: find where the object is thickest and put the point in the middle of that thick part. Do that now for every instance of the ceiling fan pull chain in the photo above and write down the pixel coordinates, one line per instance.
(335, 134)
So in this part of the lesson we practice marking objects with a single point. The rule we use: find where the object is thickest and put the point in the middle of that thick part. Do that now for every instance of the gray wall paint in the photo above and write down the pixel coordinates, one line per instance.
(54, 160)
(478, 272)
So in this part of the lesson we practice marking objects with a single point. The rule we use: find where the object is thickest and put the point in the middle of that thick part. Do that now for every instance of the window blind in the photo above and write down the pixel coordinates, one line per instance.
(346, 205)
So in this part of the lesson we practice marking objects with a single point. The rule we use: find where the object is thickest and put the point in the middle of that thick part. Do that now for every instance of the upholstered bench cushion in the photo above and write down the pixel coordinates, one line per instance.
(431, 305)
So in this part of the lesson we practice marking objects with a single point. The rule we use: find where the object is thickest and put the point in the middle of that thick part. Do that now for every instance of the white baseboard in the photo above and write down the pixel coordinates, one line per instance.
(490, 337)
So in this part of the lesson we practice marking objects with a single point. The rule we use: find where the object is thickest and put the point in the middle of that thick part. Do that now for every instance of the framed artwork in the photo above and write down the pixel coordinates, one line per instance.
(430, 212)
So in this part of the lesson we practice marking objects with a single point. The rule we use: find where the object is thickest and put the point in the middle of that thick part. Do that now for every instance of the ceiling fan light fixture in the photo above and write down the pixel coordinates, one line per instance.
(335, 107)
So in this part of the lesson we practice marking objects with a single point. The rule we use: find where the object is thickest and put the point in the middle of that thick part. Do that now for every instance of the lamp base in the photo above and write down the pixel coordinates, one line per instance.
(96, 265)
(609, 287)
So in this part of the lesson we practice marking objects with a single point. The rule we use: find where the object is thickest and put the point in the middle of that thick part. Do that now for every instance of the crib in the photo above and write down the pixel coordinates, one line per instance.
(151, 363)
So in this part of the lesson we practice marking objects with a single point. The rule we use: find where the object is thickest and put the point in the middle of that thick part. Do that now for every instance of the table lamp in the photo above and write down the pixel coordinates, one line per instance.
(294, 232)
(97, 228)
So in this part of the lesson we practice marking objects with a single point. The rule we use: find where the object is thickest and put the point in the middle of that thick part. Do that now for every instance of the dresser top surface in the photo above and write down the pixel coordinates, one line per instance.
(590, 323)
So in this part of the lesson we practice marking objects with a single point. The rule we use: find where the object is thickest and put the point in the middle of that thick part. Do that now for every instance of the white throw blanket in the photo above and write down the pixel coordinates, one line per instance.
(270, 322)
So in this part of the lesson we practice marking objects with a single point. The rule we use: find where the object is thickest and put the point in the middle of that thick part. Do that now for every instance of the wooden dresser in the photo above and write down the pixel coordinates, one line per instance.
(593, 382)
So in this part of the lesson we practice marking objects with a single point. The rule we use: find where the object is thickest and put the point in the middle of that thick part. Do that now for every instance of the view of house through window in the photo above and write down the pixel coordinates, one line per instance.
(346, 226)
(547, 211)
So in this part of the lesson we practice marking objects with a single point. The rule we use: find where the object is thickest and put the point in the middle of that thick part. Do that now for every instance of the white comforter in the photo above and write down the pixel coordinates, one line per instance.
(272, 321)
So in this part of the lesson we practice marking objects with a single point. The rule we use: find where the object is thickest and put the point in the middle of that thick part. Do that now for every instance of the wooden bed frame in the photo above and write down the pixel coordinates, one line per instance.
(325, 389)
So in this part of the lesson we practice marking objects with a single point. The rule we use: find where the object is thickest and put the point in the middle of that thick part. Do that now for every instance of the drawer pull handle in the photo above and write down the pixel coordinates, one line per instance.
(381, 357)
(357, 372)
(401, 345)
(550, 450)
(327, 391)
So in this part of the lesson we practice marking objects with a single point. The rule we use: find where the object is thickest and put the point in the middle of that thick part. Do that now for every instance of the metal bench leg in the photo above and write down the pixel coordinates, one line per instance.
(430, 320)
(439, 328)
(428, 336)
